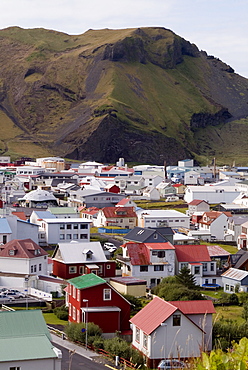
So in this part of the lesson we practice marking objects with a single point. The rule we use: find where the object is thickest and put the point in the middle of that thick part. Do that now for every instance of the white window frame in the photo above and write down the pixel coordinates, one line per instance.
(107, 294)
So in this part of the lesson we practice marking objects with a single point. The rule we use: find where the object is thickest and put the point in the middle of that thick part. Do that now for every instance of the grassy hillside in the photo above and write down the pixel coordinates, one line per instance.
(145, 94)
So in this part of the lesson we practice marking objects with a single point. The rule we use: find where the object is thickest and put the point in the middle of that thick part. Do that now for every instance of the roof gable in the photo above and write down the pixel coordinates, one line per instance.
(194, 307)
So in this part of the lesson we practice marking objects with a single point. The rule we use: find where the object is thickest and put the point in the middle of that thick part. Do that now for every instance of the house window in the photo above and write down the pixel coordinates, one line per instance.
(15, 368)
(107, 294)
(206, 281)
(83, 236)
(74, 313)
(176, 320)
(78, 295)
(205, 266)
(39, 266)
(72, 269)
(62, 236)
(75, 226)
(213, 281)
(11, 252)
(74, 292)
(108, 267)
(155, 236)
(212, 266)
(137, 335)
(231, 288)
(145, 340)
(184, 264)
(62, 226)
(197, 270)
(227, 287)
(81, 270)
(154, 253)
(75, 236)
(32, 269)
(161, 254)
(83, 226)
(158, 268)
(143, 268)
(68, 236)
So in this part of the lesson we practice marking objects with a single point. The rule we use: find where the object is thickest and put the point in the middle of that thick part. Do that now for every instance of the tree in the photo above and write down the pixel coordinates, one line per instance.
(186, 279)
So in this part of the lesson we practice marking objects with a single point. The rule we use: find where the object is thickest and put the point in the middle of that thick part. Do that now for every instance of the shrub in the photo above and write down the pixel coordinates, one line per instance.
(74, 332)
(61, 312)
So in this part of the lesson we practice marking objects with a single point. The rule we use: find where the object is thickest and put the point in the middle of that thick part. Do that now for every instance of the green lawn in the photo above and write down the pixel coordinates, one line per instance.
(52, 319)
(229, 312)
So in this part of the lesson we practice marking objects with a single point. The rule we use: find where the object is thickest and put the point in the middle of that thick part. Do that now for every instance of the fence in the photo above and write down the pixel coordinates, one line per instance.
(112, 231)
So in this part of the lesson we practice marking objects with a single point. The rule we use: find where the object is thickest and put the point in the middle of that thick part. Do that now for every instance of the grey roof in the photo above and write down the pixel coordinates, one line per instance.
(4, 226)
(235, 274)
(74, 252)
(140, 234)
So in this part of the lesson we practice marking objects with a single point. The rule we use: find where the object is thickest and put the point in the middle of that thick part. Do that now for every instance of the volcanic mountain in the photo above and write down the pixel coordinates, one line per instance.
(144, 94)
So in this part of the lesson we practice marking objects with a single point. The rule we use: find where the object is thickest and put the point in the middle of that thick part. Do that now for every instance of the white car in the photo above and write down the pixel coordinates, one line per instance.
(109, 246)
(171, 364)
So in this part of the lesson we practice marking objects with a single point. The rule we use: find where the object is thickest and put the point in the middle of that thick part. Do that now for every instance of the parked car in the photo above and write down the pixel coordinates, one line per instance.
(5, 298)
(108, 246)
(171, 364)
(173, 198)
(14, 293)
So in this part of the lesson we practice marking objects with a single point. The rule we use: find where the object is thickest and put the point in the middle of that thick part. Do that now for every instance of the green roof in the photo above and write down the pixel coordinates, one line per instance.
(22, 323)
(24, 336)
(86, 281)
(26, 348)
(62, 210)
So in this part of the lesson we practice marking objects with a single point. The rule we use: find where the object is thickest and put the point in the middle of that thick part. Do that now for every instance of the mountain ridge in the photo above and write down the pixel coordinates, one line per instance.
(144, 94)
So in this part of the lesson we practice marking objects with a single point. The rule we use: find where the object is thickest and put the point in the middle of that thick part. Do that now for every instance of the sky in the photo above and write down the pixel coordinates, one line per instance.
(219, 27)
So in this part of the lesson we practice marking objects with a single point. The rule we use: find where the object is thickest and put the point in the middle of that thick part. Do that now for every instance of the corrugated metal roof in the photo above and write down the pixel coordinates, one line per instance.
(192, 253)
(194, 307)
(119, 212)
(153, 314)
(74, 252)
(160, 246)
(235, 274)
(22, 323)
(26, 348)
(216, 250)
(86, 281)
(138, 253)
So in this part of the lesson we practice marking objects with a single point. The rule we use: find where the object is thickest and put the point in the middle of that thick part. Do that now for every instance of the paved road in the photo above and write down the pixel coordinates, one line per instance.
(78, 357)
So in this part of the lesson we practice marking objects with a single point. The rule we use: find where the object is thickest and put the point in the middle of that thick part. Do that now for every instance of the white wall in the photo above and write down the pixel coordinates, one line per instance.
(49, 364)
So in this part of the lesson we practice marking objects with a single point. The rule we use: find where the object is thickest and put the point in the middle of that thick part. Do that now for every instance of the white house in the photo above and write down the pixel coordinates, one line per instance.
(233, 279)
(23, 256)
(212, 194)
(155, 218)
(12, 227)
(57, 230)
(197, 259)
(216, 223)
(164, 330)
(148, 261)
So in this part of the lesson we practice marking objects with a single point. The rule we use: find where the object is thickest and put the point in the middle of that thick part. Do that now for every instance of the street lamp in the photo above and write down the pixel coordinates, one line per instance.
(86, 322)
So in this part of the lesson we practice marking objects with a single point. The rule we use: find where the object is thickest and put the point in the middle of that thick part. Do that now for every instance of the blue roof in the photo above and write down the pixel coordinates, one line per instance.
(45, 214)
(4, 226)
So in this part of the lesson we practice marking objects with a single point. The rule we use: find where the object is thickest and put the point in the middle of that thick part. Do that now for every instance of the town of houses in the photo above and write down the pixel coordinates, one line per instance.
(49, 204)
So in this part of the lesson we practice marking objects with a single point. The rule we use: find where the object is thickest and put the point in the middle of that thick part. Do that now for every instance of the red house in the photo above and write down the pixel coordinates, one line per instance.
(74, 259)
(91, 299)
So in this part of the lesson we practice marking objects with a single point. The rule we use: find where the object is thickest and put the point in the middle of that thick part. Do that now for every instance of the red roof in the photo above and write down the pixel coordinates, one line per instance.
(195, 202)
(153, 314)
(161, 246)
(119, 212)
(23, 248)
(138, 253)
(123, 202)
(192, 253)
(20, 215)
(177, 185)
(194, 307)
(216, 250)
